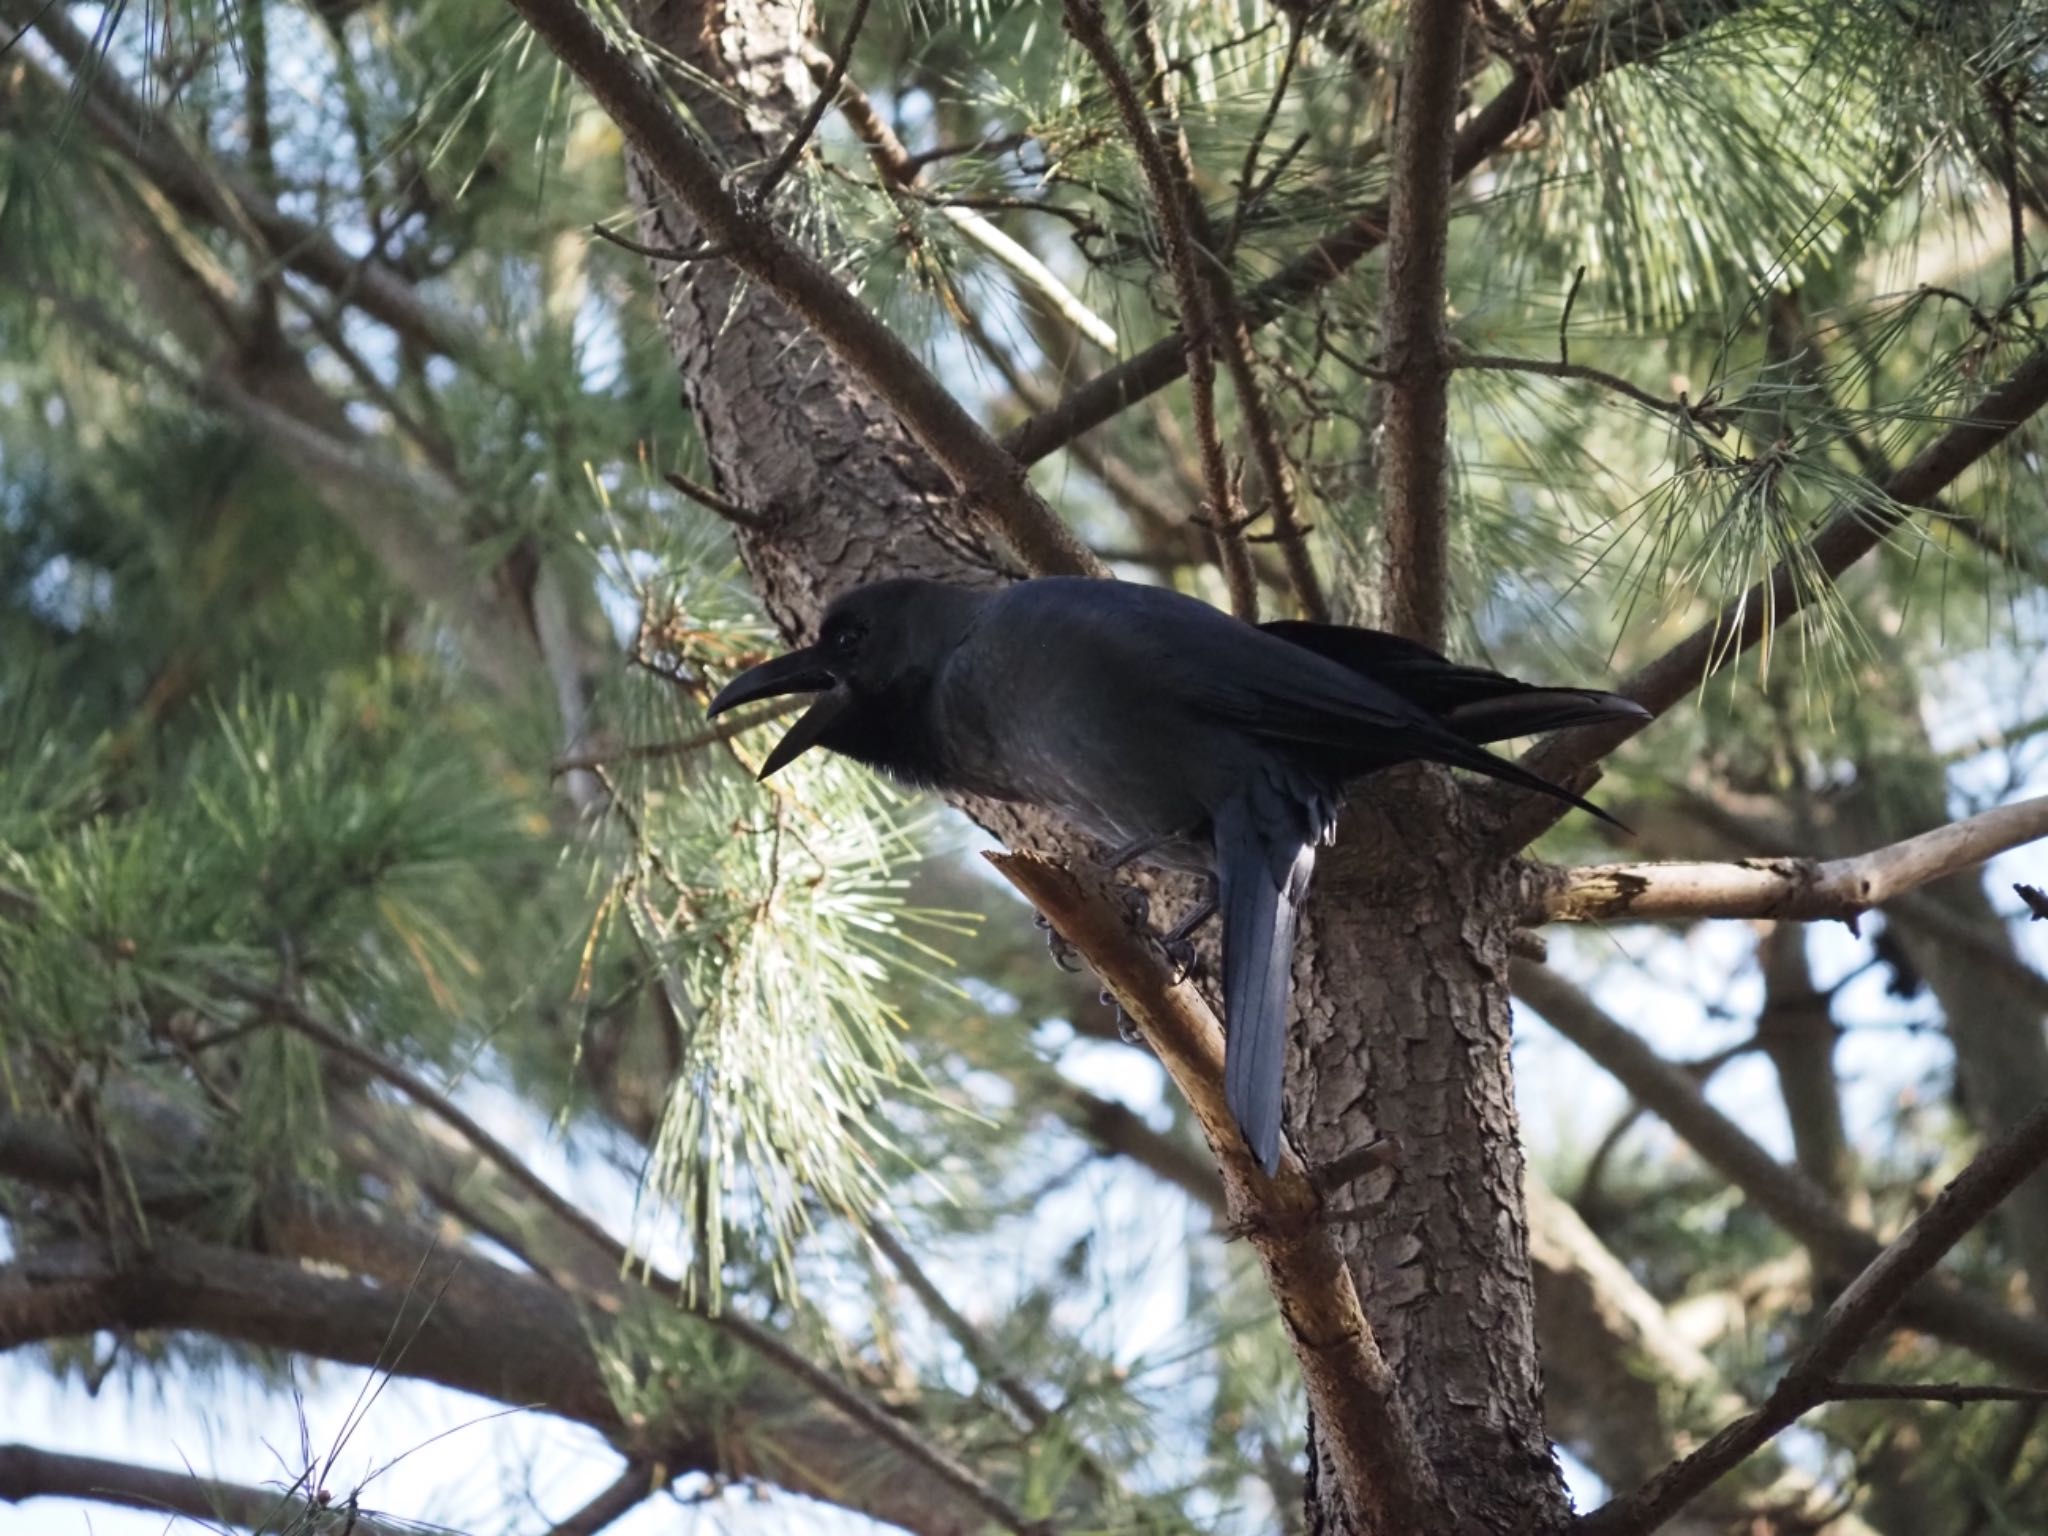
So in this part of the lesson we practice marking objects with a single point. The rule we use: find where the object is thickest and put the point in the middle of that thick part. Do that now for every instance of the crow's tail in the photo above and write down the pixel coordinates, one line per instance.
(1260, 887)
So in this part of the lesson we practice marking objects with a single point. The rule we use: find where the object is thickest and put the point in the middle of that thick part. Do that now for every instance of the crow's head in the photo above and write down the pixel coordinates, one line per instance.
(871, 668)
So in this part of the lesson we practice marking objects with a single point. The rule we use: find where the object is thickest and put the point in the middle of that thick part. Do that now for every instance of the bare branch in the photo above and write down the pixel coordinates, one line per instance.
(28, 1473)
(1850, 1322)
(714, 503)
(1637, 36)
(991, 480)
(1385, 1477)
(1791, 889)
(1850, 532)
(1703, 412)
(1170, 198)
(1415, 460)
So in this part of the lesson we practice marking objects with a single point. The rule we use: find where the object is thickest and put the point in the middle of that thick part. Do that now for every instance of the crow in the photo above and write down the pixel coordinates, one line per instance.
(1170, 731)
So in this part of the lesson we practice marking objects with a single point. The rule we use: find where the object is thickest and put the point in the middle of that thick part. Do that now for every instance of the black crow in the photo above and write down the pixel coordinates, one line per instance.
(1166, 728)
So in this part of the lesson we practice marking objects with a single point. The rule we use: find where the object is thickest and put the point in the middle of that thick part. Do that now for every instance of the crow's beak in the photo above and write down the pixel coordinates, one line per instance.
(798, 672)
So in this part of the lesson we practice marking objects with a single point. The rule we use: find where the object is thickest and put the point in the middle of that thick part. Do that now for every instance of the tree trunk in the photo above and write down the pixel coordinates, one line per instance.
(1402, 1018)
(1402, 1031)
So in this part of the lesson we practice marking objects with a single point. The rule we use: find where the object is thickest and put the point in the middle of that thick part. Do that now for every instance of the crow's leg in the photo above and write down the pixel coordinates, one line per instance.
(1177, 942)
(1064, 955)
(1130, 853)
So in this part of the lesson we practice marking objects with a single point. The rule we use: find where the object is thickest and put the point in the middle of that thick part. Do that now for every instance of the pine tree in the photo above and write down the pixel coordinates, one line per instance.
(399, 974)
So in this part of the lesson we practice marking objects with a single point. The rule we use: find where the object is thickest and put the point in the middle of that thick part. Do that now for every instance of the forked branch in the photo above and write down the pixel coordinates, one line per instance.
(1799, 890)
(1386, 1478)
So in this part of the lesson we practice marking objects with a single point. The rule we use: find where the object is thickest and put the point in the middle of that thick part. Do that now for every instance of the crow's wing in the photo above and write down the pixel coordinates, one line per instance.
(1150, 644)
(1479, 704)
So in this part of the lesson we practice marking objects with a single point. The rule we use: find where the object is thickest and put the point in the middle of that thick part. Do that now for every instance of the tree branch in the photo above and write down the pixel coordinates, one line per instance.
(639, 1482)
(1943, 1307)
(1415, 459)
(991, 480)
(1856, 1314)
(28, 1473)
(1538, 87)
(1385, 1477)
(1086, 22)
(1851, 531)
(1792, 889)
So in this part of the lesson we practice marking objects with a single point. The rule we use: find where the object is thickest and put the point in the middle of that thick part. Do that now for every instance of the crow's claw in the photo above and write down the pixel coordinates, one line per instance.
(1180, 954)
(1126, 1026)
(1137, 905)
(1064, 955)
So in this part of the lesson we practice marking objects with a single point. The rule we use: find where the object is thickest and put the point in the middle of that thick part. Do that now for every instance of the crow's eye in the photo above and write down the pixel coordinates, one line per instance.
(844, 640)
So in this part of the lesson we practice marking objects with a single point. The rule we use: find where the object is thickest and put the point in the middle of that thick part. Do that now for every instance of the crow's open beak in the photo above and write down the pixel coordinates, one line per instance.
(798, 672)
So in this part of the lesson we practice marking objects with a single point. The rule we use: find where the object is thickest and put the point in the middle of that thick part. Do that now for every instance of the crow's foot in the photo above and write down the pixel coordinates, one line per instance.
(1064, 955)
(1126, 1026)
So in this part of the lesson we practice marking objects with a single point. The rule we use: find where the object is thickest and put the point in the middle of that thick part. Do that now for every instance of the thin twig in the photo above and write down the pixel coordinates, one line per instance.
(1564, 320)
(1085, 20)
(1855, 1315)
(1705, 412)
(900, 171)
(671, 253)
(711, 501)
(815, 113)
(682, 746)
(1957, 1392)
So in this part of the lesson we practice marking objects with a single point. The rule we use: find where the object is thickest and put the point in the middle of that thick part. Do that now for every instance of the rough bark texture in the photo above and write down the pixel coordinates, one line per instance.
(1402, 1031)
(1402, 1013)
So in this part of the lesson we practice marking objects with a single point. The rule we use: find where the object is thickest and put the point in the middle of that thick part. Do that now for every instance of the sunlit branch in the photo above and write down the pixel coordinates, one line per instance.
(902, 170)
(1799, 890)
